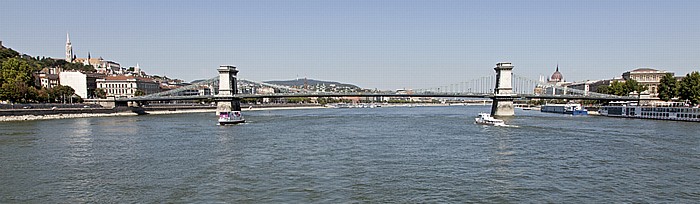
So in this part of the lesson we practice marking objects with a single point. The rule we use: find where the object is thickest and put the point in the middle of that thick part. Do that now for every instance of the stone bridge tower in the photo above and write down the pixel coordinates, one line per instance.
(503, 93)
(226, 100)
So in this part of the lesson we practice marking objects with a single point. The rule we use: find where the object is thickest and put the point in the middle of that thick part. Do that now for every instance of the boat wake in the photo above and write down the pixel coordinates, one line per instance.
(500, 125)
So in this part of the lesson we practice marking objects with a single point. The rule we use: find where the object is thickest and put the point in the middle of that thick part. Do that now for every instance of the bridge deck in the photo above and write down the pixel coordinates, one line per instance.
(359, 94)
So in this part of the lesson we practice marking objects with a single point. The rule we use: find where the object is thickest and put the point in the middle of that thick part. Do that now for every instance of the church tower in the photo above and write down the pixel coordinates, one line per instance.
(69, 49)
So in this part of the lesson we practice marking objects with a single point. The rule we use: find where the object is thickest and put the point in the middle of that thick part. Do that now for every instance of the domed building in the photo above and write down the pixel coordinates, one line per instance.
(556, 77)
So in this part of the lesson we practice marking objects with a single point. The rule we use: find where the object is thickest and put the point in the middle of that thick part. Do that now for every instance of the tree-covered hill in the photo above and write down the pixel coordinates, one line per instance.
(17, 77)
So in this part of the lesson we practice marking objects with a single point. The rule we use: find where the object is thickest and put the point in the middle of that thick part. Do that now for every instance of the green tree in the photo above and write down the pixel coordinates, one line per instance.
(7, 53)
(43, 95)
(32, 94)
(63, 93)
(690, 88)
(604, 89)
(100, 93)
(298, 100)
(632, 85)
(139, 92)
(79, 67)
(15, 78)
(668, 87)
(15, 69)
(13, 92)
(617, 88)
(622, 89)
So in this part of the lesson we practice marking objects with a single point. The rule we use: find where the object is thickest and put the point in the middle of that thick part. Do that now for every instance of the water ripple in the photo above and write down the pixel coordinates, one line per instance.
(397, 155)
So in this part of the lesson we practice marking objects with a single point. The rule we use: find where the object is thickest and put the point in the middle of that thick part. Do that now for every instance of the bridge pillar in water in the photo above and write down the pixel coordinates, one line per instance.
(503, 93)
(226, 101)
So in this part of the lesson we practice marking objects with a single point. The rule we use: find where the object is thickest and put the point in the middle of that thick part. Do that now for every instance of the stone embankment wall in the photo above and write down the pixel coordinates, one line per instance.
(60, 111)
(46, 106)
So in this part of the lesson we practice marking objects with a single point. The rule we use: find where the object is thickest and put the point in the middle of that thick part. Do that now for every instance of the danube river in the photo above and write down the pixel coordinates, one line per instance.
(401, 154)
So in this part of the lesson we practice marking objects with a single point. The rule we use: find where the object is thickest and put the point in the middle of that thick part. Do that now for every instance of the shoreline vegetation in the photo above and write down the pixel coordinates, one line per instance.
(167, 110)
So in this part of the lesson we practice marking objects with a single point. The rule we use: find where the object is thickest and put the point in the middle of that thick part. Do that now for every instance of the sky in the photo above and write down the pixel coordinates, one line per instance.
(370, 43)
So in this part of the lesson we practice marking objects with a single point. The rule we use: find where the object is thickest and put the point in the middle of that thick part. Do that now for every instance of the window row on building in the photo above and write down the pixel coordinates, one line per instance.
(127, 86)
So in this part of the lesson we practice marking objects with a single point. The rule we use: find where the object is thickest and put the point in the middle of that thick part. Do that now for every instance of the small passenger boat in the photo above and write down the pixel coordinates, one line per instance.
(228, 118)
(486, 119)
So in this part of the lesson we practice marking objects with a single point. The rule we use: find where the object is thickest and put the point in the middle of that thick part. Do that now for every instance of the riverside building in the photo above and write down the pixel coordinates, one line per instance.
(127, 86)
(648, 77)
(651, 78)
(84, 84)
(47, 78)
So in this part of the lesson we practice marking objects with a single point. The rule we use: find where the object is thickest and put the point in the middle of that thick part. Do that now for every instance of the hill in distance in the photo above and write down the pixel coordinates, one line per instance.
(310, 82)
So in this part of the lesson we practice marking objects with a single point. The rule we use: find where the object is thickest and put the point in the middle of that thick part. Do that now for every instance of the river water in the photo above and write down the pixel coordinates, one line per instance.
(401, 154)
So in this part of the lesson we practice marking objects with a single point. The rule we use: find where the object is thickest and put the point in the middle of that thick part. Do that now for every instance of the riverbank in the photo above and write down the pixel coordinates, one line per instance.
(28, 115)
(212, 110)
(48, 114)
(62, 116)
(61, 113)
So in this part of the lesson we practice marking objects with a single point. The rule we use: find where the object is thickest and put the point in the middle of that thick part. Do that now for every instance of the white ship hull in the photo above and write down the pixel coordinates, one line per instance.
(486, 119)
(230, 118)
(670, 112)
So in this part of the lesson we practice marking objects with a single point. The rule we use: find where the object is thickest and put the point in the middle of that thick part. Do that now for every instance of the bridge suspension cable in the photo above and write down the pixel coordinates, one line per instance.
(520, 84)
(213, 84)
(484, 85)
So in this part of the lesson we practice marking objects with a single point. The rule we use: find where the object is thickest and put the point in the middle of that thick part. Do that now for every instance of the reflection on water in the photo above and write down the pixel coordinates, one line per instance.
(80, 139)
(405, 155)
(500, 165)
(79, 159)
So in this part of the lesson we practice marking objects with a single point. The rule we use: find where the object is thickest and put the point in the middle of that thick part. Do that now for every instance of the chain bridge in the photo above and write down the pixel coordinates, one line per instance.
(502, 88)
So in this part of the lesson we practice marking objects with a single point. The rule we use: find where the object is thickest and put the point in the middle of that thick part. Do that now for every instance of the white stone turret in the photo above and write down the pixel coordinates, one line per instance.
(69, 49)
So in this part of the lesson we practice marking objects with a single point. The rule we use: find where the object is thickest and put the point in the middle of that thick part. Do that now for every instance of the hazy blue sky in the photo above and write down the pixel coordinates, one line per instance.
(374, 44)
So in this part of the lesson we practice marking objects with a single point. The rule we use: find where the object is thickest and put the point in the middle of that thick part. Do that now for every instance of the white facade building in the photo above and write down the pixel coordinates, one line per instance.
(126, 86)
(83, 84)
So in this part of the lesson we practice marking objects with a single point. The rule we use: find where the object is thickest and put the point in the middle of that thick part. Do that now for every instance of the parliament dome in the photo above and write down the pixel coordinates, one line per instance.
(557, 77)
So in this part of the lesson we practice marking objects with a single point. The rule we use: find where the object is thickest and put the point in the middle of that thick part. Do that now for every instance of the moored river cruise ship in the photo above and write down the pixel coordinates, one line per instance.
(659, 111)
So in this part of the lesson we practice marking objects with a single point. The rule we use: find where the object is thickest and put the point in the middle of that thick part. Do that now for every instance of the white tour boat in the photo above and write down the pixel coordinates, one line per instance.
(233, 117)
(486, 119)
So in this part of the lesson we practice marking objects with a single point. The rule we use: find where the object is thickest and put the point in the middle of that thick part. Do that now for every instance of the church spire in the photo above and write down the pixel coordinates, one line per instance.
(87, 61)
(557, 66)
(69, 49)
